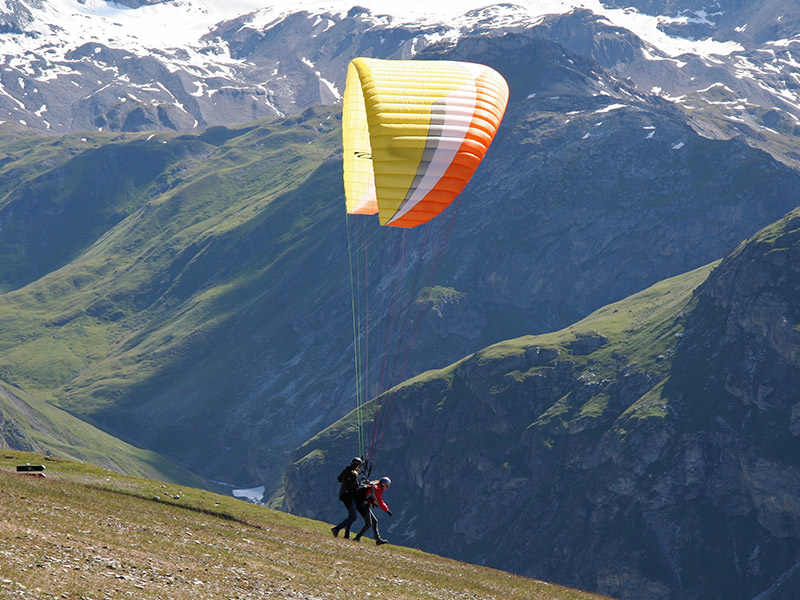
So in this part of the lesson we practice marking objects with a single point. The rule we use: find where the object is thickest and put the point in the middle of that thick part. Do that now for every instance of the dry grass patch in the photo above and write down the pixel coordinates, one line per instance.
(85, 533)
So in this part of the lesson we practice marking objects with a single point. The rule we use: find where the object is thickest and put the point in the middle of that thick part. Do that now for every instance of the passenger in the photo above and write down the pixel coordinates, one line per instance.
(369, 495)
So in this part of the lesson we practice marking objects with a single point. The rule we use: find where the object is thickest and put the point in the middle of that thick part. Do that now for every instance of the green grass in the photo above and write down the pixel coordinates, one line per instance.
(438, 295)
(84, 532)
(641, 327)
(100, 309)
(32, 423)
(637, 334)
(651, 405)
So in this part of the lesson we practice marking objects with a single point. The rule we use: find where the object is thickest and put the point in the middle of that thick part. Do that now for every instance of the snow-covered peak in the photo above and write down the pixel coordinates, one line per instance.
(181, 23)
(187, 64)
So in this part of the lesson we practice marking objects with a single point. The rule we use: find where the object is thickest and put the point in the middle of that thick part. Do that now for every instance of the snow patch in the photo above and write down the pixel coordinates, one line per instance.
(611, 107)
(331, 87)
(784, 43)
(700, 18)
(713, 85)
(5, 93)
(649, 56)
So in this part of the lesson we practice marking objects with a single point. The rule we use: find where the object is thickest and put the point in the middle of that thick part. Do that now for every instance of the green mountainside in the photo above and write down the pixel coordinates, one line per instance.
(189, 294)
(27, 423)
(648, 451)
(83, 532)
(129, 264)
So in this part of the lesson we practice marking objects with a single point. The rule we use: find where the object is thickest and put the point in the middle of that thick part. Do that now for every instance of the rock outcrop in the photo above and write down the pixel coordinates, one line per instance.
(649, 451)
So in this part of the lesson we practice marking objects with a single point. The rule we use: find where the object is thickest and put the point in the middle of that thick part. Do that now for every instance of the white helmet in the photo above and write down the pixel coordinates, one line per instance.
(385, 481)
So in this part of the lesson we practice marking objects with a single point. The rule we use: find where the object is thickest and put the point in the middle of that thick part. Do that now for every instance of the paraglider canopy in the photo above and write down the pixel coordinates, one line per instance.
(414, 132)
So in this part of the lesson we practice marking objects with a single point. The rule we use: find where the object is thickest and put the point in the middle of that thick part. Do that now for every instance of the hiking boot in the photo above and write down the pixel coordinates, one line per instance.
(357, 538)
(335, 531)
(380, 541)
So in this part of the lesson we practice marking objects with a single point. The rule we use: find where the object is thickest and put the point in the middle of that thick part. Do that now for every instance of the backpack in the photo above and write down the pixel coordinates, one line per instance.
(349, 484)
(364, 493)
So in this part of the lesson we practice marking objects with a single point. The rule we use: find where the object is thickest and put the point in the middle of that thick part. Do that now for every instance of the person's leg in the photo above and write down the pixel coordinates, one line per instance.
(374, 522)
(346, 523)
(363, 510)
(378, 539)
(351, 518)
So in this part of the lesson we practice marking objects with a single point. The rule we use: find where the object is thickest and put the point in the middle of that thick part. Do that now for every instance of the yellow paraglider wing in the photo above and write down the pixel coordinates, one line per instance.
(413, 134)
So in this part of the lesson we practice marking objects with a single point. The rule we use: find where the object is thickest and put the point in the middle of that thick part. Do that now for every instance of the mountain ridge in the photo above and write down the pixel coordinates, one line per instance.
(280, 60)
(185, 289)
(183, 284)
(658, 430)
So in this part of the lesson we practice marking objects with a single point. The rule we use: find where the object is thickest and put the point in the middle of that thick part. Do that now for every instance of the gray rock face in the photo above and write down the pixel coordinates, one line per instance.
(252, 66)
(16, 17)
(590, 192)
(675, 481)
(583, 174)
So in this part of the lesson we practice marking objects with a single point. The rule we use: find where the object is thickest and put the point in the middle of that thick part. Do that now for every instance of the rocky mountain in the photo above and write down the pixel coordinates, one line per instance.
(174, 289)
(93, 65)
(739, 80)
(648, 451)
(174, 272)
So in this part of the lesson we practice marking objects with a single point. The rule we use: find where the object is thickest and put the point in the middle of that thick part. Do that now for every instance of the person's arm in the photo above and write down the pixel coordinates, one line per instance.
(379, 499)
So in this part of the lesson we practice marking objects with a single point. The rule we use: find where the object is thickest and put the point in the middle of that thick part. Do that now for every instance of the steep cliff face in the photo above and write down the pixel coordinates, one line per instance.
(649, 451)
(585, 173)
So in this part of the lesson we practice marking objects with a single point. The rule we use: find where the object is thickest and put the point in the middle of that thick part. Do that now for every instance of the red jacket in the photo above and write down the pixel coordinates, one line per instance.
(374, 495)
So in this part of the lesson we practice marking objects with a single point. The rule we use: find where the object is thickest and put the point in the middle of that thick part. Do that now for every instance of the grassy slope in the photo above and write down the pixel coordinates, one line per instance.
(188, 233)
(84, 532)
(640, 330)
(32, 424)
(104, 307)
